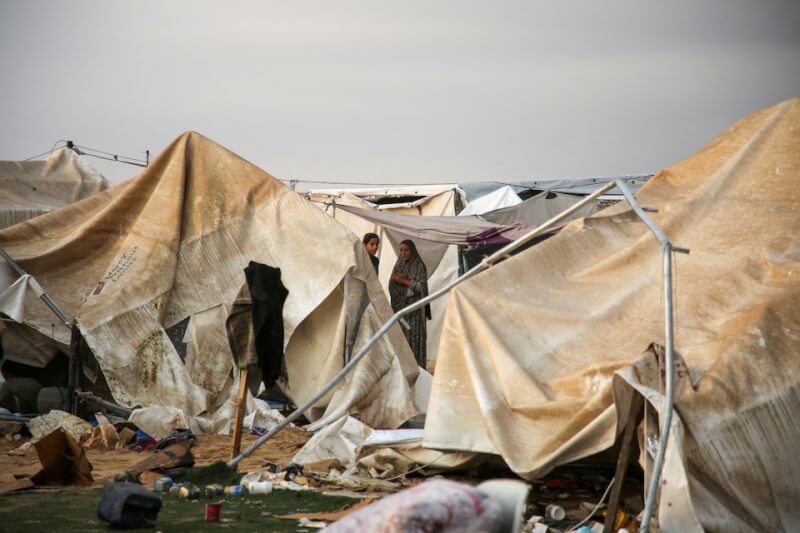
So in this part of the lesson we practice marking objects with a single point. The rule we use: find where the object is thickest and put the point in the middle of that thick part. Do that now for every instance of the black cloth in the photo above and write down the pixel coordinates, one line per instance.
(268, 295)
(375, 262)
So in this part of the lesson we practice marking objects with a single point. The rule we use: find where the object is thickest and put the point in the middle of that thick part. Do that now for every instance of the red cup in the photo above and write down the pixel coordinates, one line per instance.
(212, 512)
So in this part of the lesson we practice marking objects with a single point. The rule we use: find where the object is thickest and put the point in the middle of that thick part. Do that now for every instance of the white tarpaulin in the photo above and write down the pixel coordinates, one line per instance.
(502, 197)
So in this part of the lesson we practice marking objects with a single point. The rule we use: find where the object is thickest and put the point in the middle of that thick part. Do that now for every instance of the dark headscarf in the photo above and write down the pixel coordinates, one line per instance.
(414, 269)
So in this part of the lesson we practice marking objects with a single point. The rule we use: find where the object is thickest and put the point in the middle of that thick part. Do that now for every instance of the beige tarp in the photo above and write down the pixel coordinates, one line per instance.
(172, 243)
(441, 259)
(32, 188)
(530, 348)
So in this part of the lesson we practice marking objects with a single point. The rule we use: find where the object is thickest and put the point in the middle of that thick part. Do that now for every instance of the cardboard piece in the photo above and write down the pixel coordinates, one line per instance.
(63, 461)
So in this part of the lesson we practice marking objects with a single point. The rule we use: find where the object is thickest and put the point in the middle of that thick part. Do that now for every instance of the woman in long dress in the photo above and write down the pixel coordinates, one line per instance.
(408, 284)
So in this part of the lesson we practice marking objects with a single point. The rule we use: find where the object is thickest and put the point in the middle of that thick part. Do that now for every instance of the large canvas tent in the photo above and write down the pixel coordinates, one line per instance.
(170, 244)
(542, 352)
(32, 188)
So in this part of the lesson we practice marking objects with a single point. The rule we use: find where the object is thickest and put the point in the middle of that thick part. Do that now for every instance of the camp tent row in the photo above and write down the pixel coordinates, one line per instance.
(539, 355)
(171, 244)
(442, 218)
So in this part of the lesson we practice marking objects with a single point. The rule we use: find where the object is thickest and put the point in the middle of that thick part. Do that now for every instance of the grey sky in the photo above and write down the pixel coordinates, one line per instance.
(395, 92)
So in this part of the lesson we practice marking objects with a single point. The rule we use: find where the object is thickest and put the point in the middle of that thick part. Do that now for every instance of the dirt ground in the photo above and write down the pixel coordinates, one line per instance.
(574, 488)
(209, 448)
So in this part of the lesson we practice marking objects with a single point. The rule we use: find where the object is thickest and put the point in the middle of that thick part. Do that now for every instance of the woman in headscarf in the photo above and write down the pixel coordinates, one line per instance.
(408, 284)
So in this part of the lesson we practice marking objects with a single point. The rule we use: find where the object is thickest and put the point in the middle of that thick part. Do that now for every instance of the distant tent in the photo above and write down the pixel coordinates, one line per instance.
(132, 262)
(527, 188)
(541, 353)
(498, 199)
(32, 188)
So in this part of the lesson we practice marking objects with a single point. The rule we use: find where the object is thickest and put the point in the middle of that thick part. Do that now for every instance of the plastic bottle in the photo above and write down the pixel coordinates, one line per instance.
(234, 490)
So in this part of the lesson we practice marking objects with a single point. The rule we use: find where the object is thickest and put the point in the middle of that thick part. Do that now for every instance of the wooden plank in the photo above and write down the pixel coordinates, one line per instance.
(635, 413)
(239, 414)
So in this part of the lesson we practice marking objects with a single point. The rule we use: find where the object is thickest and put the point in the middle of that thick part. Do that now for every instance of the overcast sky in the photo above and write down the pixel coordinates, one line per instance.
(395, 92)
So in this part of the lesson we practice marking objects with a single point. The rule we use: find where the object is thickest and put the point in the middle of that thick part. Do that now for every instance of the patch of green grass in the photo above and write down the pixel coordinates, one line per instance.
(76, 510)
(217, 472)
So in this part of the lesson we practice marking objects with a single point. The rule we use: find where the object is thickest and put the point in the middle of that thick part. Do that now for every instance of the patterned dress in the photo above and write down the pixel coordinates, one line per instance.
(402, 296)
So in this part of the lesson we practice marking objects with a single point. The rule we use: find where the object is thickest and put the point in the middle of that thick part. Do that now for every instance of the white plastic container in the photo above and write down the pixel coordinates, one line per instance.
(555, 512)
(259, 487)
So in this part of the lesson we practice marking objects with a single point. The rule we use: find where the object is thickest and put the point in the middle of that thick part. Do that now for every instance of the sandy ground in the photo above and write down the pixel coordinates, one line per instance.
(209, 448)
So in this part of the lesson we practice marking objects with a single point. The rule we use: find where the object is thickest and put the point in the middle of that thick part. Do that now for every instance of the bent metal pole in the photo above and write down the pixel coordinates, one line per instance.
(483, 265)
(669, 389)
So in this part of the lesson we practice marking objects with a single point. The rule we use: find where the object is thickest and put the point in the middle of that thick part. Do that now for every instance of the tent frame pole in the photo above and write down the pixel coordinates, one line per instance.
(669, 389)
(483, 265)
(44, 297)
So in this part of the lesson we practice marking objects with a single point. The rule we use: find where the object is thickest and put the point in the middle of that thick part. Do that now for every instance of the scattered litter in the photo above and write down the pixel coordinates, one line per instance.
(263, 418)
(212, 512)
(178, 454)
(44, 425)
(126, 435)
(104, 435)
(555, 512)
(305, 522)
(128, 506)
(9, 429)
(259, 487)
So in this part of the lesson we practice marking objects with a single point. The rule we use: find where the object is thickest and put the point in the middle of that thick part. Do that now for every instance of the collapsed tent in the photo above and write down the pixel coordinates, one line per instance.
(541, 353)
(527, 188)
(170, 245)
(32, 188)
(432, 200)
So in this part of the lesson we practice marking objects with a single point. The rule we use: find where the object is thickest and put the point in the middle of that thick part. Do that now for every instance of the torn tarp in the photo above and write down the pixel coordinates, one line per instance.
(447, 230)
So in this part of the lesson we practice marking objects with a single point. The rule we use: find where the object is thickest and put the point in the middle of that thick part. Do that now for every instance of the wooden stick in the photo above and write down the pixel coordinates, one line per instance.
(239, 415)
(635, 413)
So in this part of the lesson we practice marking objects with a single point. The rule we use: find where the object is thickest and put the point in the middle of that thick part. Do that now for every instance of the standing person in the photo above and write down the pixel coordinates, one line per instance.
(409, 284)
(371, 242)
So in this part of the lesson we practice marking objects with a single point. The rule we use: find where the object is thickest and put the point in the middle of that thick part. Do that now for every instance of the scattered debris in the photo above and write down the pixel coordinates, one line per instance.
(128, 506)
(175, 455)
(104, 435)
(44, 425)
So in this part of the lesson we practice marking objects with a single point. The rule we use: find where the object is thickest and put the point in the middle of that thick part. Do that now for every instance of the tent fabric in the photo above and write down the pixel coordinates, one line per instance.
(443, 229)
(502, 197)
(396, 197)
(538, 209)
(33, 188)
(582, 186)
(532, 346)
(440, 259)
(172, 243)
